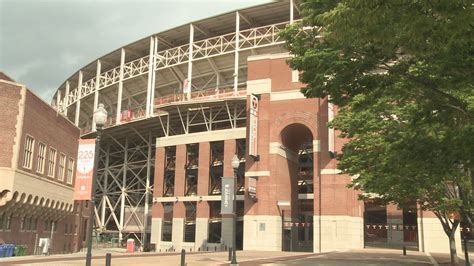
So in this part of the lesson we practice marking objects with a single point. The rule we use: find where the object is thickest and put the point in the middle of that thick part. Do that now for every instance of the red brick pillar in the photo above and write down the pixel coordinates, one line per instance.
(157, 208)
(159, 171)
(229, 152)
(179, 209)
(203, 179)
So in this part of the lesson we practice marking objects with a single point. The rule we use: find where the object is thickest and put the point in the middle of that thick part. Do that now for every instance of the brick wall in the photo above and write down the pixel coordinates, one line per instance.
(10, 96)
(46, 126)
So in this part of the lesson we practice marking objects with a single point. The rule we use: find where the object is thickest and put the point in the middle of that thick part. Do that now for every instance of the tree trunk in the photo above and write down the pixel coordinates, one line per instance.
(452, 249)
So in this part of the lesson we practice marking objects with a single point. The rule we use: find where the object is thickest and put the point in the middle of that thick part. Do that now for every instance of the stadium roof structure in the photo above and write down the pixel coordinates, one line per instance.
(202, 53)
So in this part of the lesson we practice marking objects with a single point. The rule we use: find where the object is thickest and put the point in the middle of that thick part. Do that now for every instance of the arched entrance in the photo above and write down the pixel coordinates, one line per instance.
(297, 219)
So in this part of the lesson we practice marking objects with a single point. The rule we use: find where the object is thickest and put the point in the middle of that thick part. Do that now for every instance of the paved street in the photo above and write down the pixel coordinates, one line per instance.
(385, 257)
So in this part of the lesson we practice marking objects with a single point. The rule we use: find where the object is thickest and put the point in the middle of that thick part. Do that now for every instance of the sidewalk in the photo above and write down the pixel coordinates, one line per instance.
(383, 257)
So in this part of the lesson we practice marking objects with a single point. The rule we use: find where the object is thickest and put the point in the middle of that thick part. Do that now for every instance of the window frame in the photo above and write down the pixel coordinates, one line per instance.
(38, 156)
(28, 164)
(53, 168)
(71, 163)
(63, 172)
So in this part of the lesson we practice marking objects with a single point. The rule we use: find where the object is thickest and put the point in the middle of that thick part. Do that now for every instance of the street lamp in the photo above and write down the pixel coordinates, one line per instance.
(99, 117)
(235, 165)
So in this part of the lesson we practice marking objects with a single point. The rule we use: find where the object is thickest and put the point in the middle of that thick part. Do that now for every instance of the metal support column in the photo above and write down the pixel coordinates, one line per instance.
(105, 185)
(58, 100)
(236, 55)
(120, 87)
(66, 98)
(153, 81)
(96, 91)
(123, 192)
(150, 76)
(147, 188)
(78, 101)
(190, 61)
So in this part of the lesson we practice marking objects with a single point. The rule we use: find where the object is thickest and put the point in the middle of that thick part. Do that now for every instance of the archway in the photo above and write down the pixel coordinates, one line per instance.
(297, 227)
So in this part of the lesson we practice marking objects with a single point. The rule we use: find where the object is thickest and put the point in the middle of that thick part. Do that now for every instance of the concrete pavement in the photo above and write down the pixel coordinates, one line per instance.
(385, 257)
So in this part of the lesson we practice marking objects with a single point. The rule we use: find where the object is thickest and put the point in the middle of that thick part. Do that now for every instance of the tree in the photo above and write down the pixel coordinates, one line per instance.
(402, 75)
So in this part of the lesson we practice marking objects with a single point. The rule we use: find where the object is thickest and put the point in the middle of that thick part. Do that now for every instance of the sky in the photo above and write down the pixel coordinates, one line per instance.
(43, 42)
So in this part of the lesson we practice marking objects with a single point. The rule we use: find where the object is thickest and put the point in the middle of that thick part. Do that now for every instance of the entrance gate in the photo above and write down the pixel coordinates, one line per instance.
(385, 226)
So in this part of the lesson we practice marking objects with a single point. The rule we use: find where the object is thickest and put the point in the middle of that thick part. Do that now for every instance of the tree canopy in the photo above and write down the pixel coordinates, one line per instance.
(402, 75)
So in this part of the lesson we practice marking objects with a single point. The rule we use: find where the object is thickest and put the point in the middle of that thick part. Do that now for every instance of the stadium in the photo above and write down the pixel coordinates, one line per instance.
(215, 98)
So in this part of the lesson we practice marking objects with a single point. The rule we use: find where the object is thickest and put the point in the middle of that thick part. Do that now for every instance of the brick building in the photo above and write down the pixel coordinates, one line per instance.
(179, 110)
(37, 169)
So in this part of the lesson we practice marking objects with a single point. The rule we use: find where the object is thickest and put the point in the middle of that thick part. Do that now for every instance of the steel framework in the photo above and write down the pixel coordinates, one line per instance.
(125, 183)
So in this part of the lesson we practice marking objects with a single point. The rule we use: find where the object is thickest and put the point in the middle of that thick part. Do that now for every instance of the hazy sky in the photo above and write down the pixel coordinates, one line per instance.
(43, 42)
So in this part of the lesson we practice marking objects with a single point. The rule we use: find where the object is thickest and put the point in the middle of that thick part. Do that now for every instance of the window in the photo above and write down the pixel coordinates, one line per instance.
(23, 223)
(51, 162)
(28, 155)
(70, 170)
(61, 166)
(41, 158)
(66, 229)
(28, 223)
(34, 224)
(7, 225)
(2, 220)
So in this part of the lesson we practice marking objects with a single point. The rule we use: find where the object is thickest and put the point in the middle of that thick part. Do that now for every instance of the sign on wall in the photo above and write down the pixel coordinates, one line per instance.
(253, 127)
(252, 189)
(227, 197)
(85, 169)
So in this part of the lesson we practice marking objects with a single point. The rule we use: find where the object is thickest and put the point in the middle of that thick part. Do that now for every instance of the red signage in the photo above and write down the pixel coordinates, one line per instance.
(85, 169)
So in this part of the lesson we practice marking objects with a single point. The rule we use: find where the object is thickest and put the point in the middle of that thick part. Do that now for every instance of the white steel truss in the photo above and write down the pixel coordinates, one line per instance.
(215, 46)
(125, 184)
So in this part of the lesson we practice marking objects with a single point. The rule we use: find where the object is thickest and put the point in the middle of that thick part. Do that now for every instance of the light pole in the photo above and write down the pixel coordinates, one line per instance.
(235, 165)
(100, 117)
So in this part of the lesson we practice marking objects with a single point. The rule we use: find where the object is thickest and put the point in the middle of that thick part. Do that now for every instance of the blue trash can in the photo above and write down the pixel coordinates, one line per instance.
(2, 250)
(10, 249)
(6, 250)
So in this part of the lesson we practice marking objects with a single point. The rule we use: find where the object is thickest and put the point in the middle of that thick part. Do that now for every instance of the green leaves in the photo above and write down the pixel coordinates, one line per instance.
(402, 74)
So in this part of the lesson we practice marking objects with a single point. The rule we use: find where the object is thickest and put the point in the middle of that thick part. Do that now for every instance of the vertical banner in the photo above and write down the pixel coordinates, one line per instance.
(85, 169)
(253, 128)
(252, 189)
(227, 197)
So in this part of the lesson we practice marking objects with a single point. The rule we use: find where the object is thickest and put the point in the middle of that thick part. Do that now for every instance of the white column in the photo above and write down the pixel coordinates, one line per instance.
(330, 130)
(124, 191)
(153, 82)
(190, 61)
(150, 77)
(66, 98)
(78, 100)
(236, 55)
(96, 91)
(58, 100)
(147, 189)
(120, 87)
(291, 11)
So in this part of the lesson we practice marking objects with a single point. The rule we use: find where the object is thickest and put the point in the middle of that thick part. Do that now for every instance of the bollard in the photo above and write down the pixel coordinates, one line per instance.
(215, 248)
(466, 254)
(108, 259)
(199, 249)
(225, 248)
(230, 254)
(404, 250)
(207, 248)
(183, 257)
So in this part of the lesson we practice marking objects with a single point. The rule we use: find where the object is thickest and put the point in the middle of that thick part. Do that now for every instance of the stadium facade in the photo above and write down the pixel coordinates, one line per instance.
(182, 103)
